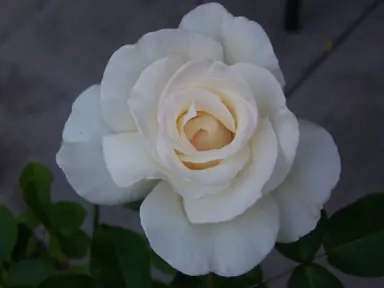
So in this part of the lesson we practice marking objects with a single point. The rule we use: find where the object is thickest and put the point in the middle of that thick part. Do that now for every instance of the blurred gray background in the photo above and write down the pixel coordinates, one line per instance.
(51, 50)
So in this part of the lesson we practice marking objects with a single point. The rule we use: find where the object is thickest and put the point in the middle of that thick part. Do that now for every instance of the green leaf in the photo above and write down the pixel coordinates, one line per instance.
(313, 276)
(78, 270)
(55, 250)
(120, 258)
(157, 284)
(104, 264)
(184, 281)
(62, 219)
(69, 281)
(22, 248)
(33, 246)
(30, 273)
(30, 219)
(67, 216)
(8, 233)
(75, 244)
(35, 182)
(304, 250)
(2, 273)
(355, 236)
(255, 275)
(160, 264)
(252, 278)
(135, 206)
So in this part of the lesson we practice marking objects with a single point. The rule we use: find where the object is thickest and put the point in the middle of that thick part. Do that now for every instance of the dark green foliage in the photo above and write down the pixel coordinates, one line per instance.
(355, 236)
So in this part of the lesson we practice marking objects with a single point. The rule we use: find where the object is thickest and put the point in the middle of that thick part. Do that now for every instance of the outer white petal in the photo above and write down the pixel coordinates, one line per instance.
(81, 156)
(144, 99)
(128, 160)
(243, 40)
(85, 121)
(229, 249)
(286, 128)
(127, 63)
(84, 167)
(308, 186)
(271, 103)
(121, 73)
(268, 93)
(187, 44)
(247, 187)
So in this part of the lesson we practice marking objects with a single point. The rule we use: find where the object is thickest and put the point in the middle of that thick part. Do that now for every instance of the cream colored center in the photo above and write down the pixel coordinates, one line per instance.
(206, 132)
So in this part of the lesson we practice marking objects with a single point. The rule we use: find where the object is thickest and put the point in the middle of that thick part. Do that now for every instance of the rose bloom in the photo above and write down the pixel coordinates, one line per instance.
(195, 121)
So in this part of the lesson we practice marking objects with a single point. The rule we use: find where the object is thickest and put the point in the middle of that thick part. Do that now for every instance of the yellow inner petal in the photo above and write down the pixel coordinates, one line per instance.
(201, 166)
(207, 133)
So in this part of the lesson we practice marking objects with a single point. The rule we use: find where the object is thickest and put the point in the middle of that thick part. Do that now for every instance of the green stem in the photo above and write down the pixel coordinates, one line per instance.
(209, 281)
(96, 218)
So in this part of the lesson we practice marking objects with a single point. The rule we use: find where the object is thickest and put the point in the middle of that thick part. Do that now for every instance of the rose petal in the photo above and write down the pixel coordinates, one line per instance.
(286, 128)
(243, 40)
(128, 160)
(268, 93)
(212, 180)
(127, 63)
(120, 75)
(85, 121)
(232, 90)
(204, 101)
(187, 44)
(195, 189)
(81, 157)
(83, 165)
(196, 99)
(247, 187)
(228, 249)
(271, 103)
(223, 172)
(144, 99)
(206, 73)
(314, 174)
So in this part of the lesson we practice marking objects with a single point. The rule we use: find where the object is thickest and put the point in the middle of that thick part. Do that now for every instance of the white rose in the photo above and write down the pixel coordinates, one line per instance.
(202, 108)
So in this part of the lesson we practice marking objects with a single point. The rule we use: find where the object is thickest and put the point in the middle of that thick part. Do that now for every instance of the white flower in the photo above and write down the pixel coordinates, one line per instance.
(201, 107)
